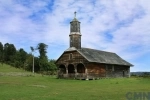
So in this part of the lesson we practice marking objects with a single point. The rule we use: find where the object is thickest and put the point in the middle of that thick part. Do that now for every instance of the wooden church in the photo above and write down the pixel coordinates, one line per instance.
(84, 63)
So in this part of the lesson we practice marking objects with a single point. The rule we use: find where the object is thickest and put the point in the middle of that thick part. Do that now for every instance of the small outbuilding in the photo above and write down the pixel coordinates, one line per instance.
(84, 63)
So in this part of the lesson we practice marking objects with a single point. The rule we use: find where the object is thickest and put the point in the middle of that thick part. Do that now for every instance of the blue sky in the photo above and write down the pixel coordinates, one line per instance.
(119, 26)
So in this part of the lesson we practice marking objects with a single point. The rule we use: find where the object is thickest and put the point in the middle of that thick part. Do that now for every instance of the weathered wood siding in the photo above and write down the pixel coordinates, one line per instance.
(76, 58)
(117, 71)
(95, 70)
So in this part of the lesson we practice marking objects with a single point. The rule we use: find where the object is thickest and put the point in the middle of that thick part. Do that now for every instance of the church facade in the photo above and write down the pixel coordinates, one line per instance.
(85, 63)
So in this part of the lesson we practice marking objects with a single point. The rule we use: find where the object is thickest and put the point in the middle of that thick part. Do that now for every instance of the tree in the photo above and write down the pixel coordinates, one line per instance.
(9, 53)
(43, 60)
(36, 64)
(23, 55)
(6, 54)
(1, 52)
(42, 50)
(20, 58)
(28, 62)
(52, 67)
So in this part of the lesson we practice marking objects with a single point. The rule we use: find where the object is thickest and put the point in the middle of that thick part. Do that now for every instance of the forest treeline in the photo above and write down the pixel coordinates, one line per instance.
(21, 59)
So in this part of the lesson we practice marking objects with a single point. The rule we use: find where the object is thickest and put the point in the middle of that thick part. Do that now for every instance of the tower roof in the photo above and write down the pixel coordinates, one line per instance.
(75, 26)
(75, 19)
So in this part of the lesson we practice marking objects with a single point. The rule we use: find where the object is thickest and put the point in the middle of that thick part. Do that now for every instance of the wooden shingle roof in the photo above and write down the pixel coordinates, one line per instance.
(99, 56)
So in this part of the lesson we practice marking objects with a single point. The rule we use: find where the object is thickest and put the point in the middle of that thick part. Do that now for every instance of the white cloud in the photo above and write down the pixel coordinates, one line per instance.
(117, 26)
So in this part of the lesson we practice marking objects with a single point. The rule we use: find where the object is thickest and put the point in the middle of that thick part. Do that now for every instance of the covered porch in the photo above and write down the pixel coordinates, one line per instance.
(73, 71)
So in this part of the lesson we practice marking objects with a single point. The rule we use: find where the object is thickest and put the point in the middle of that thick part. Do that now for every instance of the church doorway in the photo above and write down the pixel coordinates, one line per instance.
(123, 73)
(80, 68)
(71, 69)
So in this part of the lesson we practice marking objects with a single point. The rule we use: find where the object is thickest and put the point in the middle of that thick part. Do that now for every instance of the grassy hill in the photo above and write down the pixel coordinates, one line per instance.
(7, 70)
(16, 84)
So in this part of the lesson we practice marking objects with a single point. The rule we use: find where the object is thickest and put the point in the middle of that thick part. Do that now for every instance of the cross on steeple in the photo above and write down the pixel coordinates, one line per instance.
(75, 14)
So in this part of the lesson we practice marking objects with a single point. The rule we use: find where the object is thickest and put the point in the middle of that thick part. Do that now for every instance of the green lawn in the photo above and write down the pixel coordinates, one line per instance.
(26, 86)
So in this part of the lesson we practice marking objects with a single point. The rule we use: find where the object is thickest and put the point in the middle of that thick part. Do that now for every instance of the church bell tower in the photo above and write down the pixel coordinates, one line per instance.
(75, 35)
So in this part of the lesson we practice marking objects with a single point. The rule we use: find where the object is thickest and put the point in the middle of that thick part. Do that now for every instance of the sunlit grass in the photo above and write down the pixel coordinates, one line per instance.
(38, 87)
(7, 68)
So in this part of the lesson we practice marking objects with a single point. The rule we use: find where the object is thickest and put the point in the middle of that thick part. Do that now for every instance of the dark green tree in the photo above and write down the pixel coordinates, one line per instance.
(6, 54)
(43, 60)
(32, 50)
(9, 53)
(1, 52)
(20, 58)
(52, 68)
(28, 62)
(36, 64)
(23, 55)
(42, 50)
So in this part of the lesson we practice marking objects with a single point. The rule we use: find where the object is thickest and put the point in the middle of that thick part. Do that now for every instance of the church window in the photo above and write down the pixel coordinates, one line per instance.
(109, 67)
(70, 56)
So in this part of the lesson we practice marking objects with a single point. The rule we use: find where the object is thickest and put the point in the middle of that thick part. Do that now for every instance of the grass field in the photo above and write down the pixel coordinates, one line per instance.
(16, 84)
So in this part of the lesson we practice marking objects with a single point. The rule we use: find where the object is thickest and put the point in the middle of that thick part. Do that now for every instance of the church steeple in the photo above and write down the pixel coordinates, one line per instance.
(75, 35)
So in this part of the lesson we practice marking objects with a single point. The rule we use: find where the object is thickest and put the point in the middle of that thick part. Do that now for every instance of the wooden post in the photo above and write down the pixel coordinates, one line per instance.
(75, 69)
(86, 74)
(66, 71)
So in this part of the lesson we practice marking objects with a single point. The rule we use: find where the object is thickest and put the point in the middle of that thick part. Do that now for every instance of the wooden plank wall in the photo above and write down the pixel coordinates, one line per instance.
(76, 58)
(118, 71)
(96, 70)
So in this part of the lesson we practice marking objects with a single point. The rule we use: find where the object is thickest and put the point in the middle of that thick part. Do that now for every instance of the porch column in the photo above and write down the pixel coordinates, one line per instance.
(67, 70)
(86, 72)
(75, 70)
